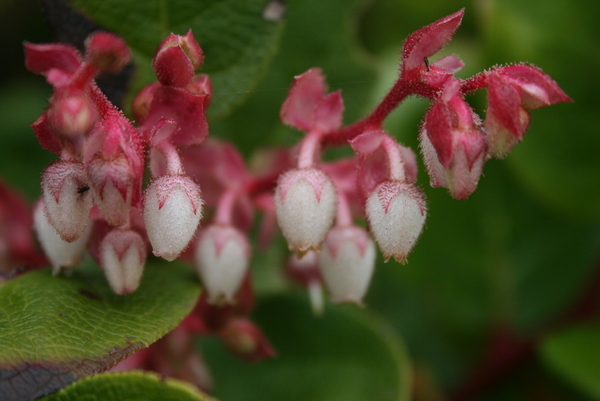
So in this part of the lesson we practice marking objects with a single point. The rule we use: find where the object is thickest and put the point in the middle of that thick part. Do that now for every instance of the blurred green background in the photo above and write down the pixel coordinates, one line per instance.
(517, 254)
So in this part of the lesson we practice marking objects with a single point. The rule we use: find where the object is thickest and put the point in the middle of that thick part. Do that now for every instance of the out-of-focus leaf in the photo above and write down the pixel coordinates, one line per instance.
(497, 257)
(343, 355)
(129, 386)
(237, 41)
(55, 330)
(22, 158)
(558, 158)
(574, 354)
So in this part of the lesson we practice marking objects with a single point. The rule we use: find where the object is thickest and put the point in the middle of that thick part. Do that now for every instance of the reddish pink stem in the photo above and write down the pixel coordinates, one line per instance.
(224, 210)
(404, 87)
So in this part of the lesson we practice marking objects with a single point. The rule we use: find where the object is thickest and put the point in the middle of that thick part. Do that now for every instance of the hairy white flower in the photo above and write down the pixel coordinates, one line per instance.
(347, 261)
(305, 201)
(172, 212)
(59, 252)
(221, 259)
(396, 214)
(67, 198)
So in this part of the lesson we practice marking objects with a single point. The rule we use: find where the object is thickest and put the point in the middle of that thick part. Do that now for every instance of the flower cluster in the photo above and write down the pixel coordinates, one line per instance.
(93, 197)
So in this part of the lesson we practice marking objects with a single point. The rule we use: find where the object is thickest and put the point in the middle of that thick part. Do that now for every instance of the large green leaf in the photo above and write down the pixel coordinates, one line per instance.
(129, 386)
(344, 355)
(574, 354)
(237, 41)
(55, 330)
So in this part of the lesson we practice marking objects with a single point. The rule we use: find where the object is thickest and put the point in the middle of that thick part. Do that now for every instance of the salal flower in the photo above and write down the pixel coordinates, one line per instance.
(347, 261)
(172, 212)
(305, 202)
(113, 183)
(67, 198)
(221, 259)
(512, 91)
(122, 256)
(396, 214)
(60, 253)
(453, 146)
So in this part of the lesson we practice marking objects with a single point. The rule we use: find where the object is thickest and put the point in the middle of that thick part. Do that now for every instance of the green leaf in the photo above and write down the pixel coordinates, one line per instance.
(574, 354)
(129, 386)
(55, 330)
(238, 43)
(498, 257)
(343, 355)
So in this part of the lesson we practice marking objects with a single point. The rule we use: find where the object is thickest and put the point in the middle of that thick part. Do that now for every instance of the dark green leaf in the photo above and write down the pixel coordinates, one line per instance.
(129, 386)
(55, 330)
(343, 355)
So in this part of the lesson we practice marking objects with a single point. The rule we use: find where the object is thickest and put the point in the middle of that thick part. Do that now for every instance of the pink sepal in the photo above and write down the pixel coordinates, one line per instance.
(186, 109)
(56, 61)
(428, 40)
(299, 108)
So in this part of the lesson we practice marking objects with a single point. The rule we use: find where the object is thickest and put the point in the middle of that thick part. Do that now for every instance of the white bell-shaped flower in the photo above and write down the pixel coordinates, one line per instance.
(172, 212)
(59, 252)
(305, 202)
(221, 259)
(67, 198)
(122, 256)
(396, 214)
(347, 261)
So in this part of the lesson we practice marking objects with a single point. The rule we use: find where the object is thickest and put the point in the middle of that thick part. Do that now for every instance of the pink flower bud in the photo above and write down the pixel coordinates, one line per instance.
(506, 120)
(112, 183)
(67, 198)
(72, 116)
(347, 262)
(107, 51)
(221, 257)
(245, 340)
(172, 212)
(396, 215)
(454, 148)
(513, 90)
(122, 256)
(176, 59)
(59, 252)
(305, 202)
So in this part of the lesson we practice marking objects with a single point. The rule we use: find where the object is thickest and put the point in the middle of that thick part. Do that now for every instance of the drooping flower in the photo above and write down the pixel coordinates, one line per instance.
(305, 201)
(396, 214)
(122, 256)
(172, 212)
(221, 259)
(346, 262)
